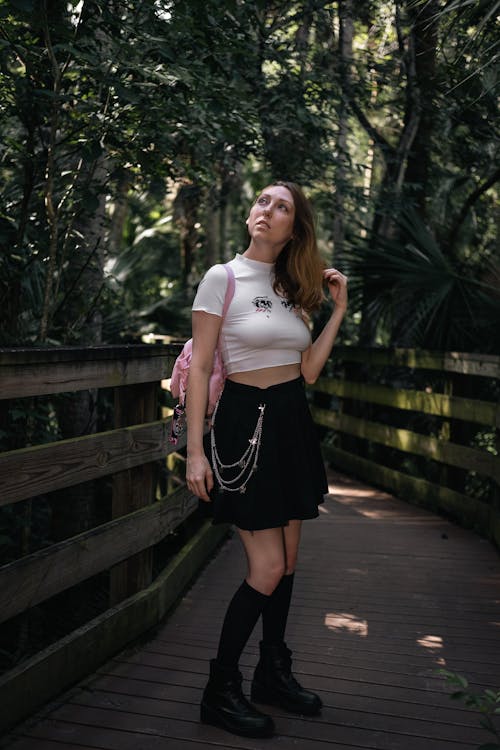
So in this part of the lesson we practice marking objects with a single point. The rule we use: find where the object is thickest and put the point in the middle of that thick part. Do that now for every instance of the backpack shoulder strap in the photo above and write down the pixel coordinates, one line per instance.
(229, 289)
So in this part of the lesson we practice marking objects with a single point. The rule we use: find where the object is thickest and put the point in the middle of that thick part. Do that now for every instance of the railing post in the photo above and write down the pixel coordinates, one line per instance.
(133, 488)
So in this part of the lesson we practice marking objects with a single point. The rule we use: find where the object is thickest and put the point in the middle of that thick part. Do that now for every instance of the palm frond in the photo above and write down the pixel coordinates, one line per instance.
(410, 287)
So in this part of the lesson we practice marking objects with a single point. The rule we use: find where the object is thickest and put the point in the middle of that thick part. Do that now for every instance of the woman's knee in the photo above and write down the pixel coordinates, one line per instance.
(265, 577)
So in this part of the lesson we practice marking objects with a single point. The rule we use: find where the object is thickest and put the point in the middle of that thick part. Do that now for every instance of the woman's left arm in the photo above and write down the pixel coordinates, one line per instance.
(314, 358)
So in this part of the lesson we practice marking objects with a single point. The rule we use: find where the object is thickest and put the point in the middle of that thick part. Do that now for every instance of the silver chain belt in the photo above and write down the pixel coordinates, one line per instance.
(248, 461)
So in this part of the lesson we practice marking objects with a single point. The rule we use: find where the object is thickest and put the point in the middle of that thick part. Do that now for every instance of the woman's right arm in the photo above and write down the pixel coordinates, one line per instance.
(205, 328)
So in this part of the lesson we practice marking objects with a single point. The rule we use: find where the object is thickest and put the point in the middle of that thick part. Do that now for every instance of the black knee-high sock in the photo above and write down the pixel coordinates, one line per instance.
(242, 613)
(275, 613)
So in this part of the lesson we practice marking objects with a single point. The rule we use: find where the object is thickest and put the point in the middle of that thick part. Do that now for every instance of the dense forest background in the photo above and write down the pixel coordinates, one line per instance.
(134, 135)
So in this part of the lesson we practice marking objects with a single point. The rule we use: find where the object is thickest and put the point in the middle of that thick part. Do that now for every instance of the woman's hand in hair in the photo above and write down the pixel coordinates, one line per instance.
(337, 286)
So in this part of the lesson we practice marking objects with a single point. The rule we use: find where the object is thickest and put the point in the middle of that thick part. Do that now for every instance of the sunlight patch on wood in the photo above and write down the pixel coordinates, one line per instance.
(351, 491)
(430, 641)
(339, 621)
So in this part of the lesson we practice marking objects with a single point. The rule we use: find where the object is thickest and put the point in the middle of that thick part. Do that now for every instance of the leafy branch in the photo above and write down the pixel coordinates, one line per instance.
(487, 702)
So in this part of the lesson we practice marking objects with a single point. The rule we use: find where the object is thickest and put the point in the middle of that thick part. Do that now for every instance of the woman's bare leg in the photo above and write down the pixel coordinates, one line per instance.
(265, 552)
(291, 534)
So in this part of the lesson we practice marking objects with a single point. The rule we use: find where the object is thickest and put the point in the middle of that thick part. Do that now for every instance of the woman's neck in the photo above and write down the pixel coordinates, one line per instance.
(264, 252)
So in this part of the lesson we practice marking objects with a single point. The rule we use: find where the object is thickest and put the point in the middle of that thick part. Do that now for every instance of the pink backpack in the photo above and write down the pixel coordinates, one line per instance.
(180, 372)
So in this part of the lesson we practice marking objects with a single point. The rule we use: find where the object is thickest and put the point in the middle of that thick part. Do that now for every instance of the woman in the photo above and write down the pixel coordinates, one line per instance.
(266, 474)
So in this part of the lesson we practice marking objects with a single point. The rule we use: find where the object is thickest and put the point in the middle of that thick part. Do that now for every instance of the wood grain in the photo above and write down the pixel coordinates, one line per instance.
(44, 374)
(34, 578)
(43, 468)
(439, 404)
(465, 363)
(466, 510)
(411, 442)
(37, 680)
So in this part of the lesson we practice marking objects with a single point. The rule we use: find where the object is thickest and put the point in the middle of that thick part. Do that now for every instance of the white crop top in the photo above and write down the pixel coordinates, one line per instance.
(261, 329)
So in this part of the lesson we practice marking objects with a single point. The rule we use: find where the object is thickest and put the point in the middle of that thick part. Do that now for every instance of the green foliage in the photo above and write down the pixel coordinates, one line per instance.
(166, 91)
(487, 702)
(221, 97)
(410, 287)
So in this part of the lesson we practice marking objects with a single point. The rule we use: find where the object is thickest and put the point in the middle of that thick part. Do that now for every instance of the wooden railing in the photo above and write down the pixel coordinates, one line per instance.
(140, 516)
(449, 458)
(379, 410)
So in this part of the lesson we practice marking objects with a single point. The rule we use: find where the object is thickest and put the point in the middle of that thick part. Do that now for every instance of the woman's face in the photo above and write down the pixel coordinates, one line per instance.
(272, 216)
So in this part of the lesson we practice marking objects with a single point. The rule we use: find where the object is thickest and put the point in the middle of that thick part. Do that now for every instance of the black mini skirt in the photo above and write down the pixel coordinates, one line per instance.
(287, 480)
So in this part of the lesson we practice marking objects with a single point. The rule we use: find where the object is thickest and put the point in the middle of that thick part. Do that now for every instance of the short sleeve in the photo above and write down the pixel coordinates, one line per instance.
(212, 291)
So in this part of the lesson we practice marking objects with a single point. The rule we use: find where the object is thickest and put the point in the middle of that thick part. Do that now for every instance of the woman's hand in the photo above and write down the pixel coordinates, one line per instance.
(337, 286)
(199, 476)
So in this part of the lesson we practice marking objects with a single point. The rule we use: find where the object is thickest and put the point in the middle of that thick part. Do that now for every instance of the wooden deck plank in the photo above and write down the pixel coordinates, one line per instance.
(320, 650)
(385, 594)
(187, 710)
(420, 681)
(356, 703)
(325, 686)
(43, 744)
(403, 665)
(181, 721)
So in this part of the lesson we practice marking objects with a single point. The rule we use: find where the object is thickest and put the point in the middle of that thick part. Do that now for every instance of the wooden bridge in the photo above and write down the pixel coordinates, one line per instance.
(387, 592)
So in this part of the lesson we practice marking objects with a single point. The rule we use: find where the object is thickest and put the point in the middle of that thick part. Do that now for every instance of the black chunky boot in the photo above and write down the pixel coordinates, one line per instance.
(224, 705)
(275, 685)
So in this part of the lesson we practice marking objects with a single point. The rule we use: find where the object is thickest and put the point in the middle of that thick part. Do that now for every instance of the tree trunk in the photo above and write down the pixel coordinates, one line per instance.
(395, 177)
(211, 228)
(78, 319)
(346, 32)
(425, 33)
(186, 206)
(82, 308)
(120, 213)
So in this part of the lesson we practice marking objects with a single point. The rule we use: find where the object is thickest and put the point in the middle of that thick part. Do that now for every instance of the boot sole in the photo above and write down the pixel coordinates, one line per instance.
(260, 694)
(209, 716)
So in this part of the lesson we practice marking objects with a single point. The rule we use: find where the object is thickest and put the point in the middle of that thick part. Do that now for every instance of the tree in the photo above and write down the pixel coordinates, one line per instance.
(420, 168)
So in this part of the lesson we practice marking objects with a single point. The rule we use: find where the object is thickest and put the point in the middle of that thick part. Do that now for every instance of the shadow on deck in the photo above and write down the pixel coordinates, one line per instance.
(385, 594)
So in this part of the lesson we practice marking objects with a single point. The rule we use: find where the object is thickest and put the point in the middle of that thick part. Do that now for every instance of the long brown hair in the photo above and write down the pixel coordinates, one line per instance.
(299, 266)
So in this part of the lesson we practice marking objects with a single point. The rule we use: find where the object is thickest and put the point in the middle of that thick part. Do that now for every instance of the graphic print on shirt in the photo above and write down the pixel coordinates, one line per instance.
(263, 305)
(291, 308)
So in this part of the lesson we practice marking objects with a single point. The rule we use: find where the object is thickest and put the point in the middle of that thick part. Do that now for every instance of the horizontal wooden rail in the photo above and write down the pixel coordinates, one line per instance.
(438, 404)
(52, 466)
(40, 372)
(26, 687)
(122, 547)
(467, 447)
(35, 578)
(486, 365)
(411, 442)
